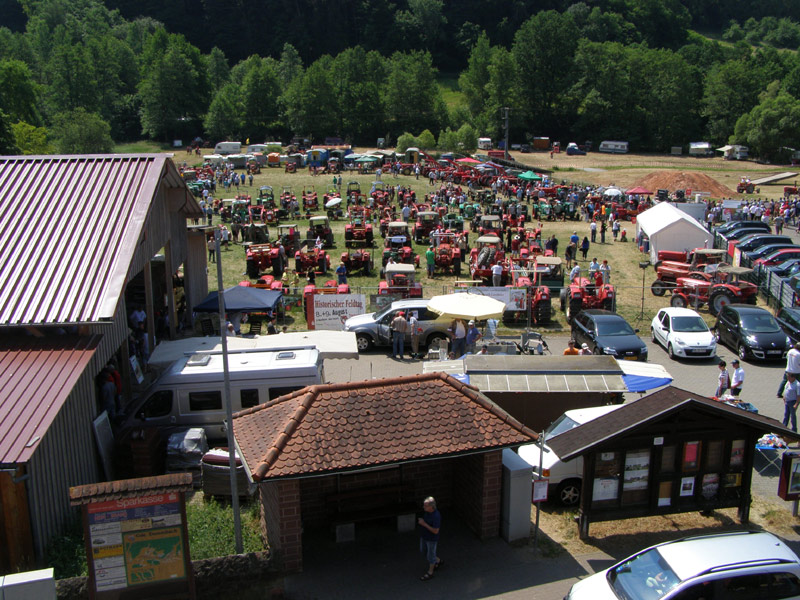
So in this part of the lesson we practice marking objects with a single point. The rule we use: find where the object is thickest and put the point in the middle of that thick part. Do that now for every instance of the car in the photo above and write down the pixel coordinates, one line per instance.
(744, 228)
(789, 320)
(732, 565)
(757, 240)
(748, 258)
(734, 225)
(574, 150)
(752, 332)
(563, 477)
(778, 256)
(374, 329)
(683, 333)
(607, 333)
(786, 268)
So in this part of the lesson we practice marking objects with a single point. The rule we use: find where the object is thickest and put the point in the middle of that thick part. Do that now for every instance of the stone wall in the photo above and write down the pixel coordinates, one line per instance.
(478, 485)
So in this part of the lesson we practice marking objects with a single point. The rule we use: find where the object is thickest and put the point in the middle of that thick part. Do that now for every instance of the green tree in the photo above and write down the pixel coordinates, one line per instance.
(219, 71)
(426, 141)
(357, 83)
(422, 24)
(307, 101)
(475, 77)
(80, 132)
(290, 64)
(30, 139)
(223, 119)
(7, 143)
(406, 141)
(448, 140)
(731, 89)
(773, 123)
(466, 138)
(260, 92)
(411, 95)
(19, 94)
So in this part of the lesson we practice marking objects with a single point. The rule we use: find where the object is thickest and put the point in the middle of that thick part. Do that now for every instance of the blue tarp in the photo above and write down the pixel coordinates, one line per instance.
(643, 383)
(641, 377)
(242, 299)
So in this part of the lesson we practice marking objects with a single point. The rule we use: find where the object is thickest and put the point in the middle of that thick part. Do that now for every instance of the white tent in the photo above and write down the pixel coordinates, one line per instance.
(671, 229)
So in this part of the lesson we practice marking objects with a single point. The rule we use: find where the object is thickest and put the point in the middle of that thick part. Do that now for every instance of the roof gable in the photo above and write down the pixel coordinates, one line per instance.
(328, 428)
(654, 407)
(69, 229)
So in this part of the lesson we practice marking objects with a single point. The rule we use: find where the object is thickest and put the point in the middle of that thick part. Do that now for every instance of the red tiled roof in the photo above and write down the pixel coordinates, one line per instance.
(69, 227)
(653, 407)
(126, 488)
(326, 428)
(37, 375)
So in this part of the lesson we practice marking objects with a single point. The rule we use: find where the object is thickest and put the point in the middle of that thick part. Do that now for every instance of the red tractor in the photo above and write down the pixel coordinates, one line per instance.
(310, 198)
(745, 186)
(398, 245)
(487, 252)
(447, 254)
(715, 290)
(289, 236)
(673, 265)
(320, 227)
(426, 222)
(380, 193)
(311, 259)
(260, 258)
(329, 287)
(267, 282)
(528, 274)
(358, 232)
(490, 225)
(585, 293)
(357, 260)
(287, 196)
(399, 279)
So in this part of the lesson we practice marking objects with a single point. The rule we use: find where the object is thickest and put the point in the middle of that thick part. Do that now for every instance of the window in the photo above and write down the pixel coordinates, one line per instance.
(158, 405)
(282, 391)
(248, 398)
(202, 401)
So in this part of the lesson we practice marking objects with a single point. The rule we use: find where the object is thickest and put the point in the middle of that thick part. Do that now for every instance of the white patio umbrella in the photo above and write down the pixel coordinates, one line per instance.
(467, 306)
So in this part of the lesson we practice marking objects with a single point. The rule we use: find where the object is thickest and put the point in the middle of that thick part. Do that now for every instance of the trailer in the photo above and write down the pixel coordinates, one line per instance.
(614, 147)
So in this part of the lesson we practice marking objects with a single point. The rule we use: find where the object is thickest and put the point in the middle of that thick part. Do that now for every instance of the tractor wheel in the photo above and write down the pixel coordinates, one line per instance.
(367, 267)
(658, 288)
(310, 235)
(658, 264)
(298, 265)
(252, 269)
(608, 304)
(678, 301)
(543, 311)
(406, 171)
(348, 235)
(322, 265)
(369, 239)
(573, 308)
(562, 298)
(329, 240)
(597, 351)
(483, 257)
(457, 267)
(718, 300)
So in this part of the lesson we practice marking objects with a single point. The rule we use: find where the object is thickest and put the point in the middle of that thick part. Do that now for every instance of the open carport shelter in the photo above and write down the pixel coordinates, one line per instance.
(336, 455)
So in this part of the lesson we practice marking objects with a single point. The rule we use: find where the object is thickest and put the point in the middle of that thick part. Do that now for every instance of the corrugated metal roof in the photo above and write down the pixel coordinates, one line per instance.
(38, 375)
(69, 227)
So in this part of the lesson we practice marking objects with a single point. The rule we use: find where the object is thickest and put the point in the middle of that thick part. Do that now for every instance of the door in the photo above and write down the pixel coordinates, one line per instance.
(663, 328)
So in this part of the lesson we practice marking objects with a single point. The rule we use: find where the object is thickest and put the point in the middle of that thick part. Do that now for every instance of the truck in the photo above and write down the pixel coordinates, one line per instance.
(190, 392)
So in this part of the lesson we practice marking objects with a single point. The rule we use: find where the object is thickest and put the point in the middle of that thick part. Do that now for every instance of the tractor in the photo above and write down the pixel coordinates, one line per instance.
(269, 216)
(585, 293)
(287, 196)
(310, 198)
(359, 230)
(289, 236)
(261, 258)
(320, 227)
(265, 282)
(488, 251)
(528, 274)
(399, 279)
(398, 245)
(426, 222)
(453, 222)
(673, 265)
(354, 195)
(447, 254)
(745, 186)
(717, 290)
(490, 225)
(380, 193)
(311, 259)
(357, 260)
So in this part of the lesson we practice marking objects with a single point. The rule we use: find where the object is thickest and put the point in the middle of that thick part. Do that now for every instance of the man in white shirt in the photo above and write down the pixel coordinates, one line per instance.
(497, 274)
(792, 366)
(594, 266)
(737, 379)
(575, 272)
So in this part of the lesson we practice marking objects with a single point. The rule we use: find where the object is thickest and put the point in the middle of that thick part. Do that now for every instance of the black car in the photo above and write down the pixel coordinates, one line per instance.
(748, 259)
(737, 233)
(789, 320)
(787, 268)
(607, 333)
(734, 225)
(756, 240)
(752, 332)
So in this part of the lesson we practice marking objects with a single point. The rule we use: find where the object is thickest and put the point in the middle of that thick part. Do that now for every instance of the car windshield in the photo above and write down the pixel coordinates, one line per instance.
(614, 327)
(646, 576)
(560, 425)
(689, 324)
(760, 323)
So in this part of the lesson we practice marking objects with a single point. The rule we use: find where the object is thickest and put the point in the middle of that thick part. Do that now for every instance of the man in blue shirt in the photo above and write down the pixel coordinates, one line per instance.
(473, 335)
(429, 524)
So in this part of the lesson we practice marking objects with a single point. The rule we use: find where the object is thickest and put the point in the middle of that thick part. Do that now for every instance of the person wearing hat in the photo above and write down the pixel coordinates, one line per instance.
(399, 327)
(571, 349)
(472, 337)
(585, 350)
(737, 379)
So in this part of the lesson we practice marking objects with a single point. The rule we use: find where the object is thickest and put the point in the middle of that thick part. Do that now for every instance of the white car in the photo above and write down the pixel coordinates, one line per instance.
(564, 478)
(683, 333)
(726, 566)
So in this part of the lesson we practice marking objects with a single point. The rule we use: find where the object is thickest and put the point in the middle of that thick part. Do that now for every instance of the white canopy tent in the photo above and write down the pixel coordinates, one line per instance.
(671, 229)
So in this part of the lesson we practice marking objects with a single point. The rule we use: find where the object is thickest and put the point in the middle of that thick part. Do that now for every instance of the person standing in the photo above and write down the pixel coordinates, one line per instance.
(430, 261)
(473, 335)
(414, 330)
(341, 273)
(459, 333)
(497, 274)
(594, 266)
(212, 254)
(791, 397)
(575, 272)
(603, 229)
(737, 379)
(792, 366)
(593, 230)
(571, 350)
(430, 524)
(585, 351)
(605, 270)
(399, 327)
(723, 382)
(585, 247)
(615, 229)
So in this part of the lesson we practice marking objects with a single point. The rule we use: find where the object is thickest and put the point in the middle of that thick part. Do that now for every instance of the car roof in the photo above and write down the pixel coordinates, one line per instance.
(409, 303)
(600, 314)
(791, 309)
(691, 557)
(674, 311)
(748, 309)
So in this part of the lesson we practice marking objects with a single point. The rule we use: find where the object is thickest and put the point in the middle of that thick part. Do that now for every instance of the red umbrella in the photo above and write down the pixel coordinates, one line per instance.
(639, 190)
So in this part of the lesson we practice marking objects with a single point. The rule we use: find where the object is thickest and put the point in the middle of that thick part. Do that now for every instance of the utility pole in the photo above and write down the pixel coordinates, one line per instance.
(506, 112)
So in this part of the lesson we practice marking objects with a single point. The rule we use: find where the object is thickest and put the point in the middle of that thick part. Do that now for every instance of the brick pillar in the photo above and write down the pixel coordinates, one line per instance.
(477, 489)
(281, 522)
(490, 494)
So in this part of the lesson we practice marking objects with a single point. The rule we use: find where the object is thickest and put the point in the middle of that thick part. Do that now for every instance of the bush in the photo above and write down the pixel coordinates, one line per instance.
(211, 529)
(406, 141)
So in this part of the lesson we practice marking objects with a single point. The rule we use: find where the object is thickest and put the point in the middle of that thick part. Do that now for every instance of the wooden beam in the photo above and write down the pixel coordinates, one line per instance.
(16, 539)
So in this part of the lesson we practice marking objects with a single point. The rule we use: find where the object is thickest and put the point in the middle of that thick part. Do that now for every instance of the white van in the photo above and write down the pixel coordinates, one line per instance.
(564, 478)
(614, 147)
(484, 143)
(228, 148)
(190, 392)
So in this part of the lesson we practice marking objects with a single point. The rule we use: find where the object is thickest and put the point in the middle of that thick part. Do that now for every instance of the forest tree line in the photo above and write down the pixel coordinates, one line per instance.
(80, 75)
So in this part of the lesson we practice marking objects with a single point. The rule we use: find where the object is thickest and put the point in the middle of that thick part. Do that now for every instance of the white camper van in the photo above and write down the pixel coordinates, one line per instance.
(484, 143)
(228, 148)
(614, 147)
(190, 392)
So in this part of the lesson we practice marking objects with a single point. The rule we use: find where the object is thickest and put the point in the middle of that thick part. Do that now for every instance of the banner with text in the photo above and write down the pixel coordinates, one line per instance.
(514, 298)
(330, 311)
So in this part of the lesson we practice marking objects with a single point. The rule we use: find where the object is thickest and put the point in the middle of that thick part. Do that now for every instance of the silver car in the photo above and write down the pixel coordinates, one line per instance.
(374, 329)
(725, 567)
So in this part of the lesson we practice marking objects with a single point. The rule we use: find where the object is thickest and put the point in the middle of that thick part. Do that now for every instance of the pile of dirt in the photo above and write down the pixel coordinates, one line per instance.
(684, 180)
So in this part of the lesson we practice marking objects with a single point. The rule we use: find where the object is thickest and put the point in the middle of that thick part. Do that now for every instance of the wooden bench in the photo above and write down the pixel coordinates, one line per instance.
(369, 504)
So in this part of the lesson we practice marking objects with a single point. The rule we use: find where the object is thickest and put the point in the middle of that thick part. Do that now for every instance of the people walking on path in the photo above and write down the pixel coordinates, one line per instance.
(791, 398)
(737, 379)
(723, 382)
(430, 524)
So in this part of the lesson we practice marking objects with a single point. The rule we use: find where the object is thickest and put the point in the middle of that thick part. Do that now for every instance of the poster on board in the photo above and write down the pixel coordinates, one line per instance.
(330, 311)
